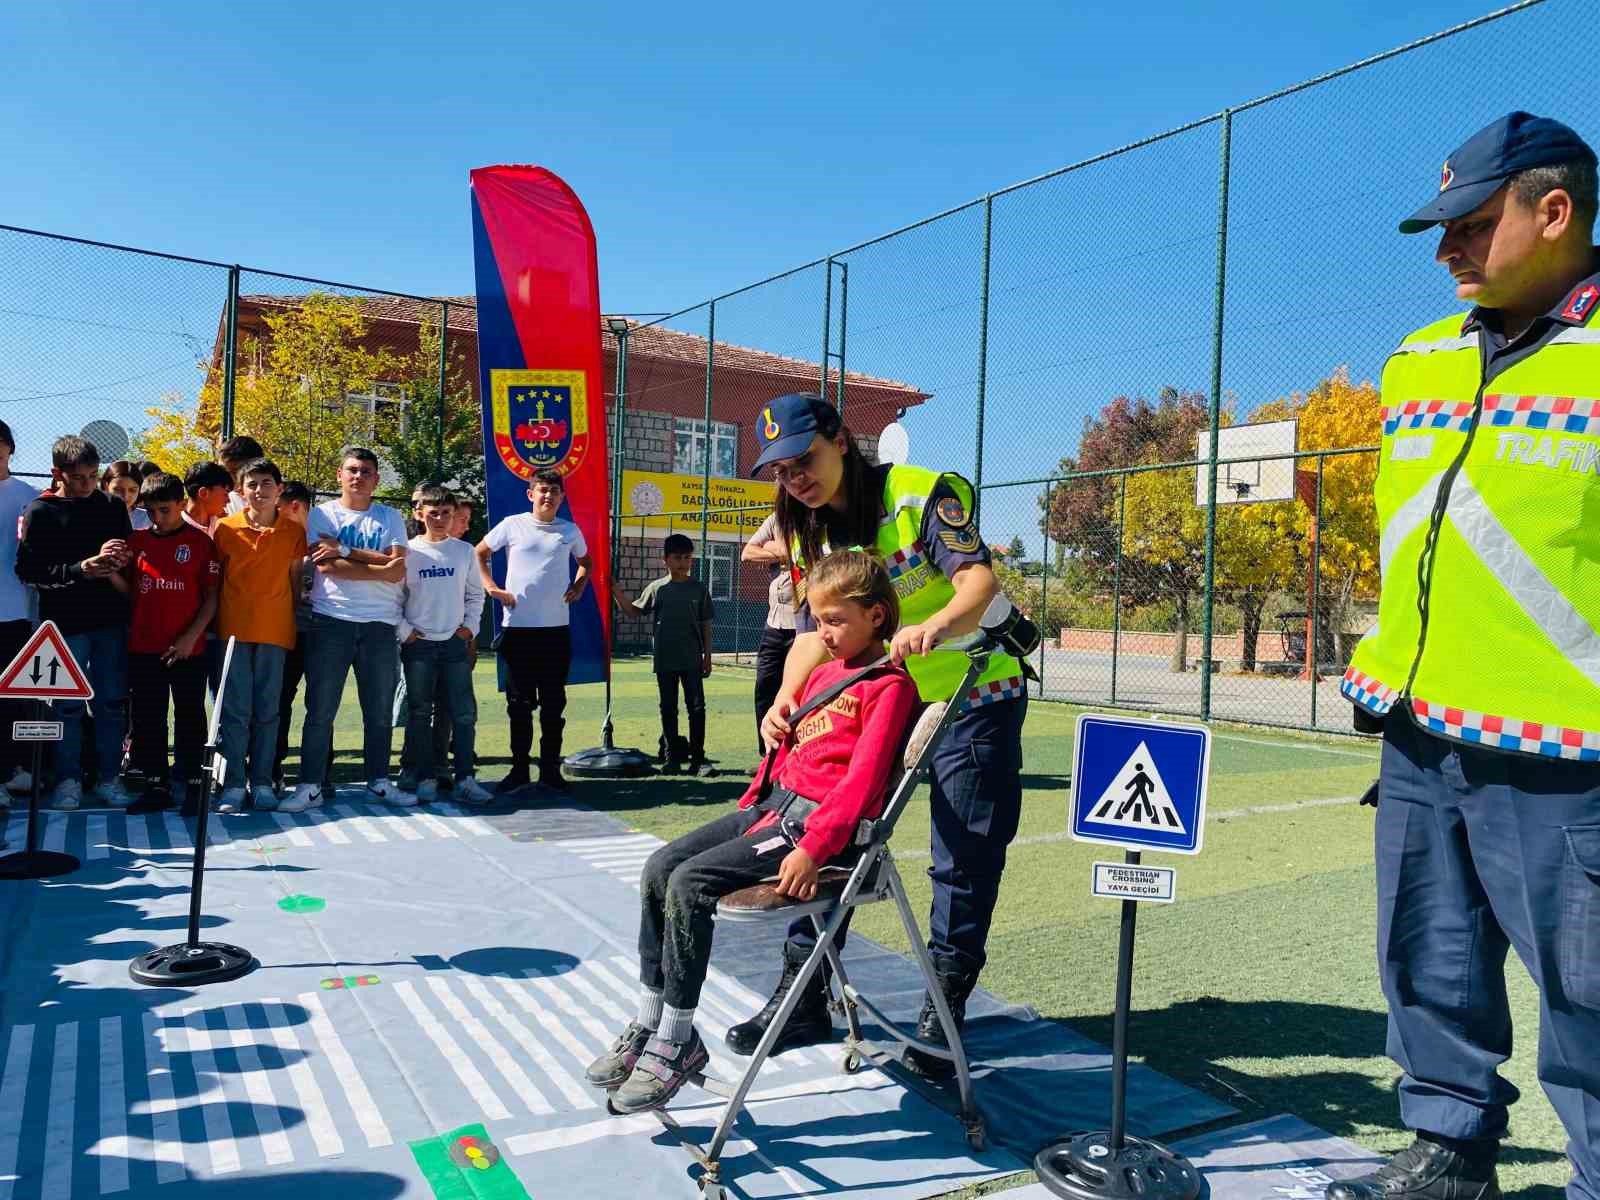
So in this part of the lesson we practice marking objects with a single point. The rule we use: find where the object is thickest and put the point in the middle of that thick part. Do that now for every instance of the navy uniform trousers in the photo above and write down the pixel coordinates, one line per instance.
(1479, 851)
(976, 802)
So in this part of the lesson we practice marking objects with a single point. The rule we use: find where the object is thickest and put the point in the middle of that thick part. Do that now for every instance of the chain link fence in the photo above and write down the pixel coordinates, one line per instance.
(1073, 344)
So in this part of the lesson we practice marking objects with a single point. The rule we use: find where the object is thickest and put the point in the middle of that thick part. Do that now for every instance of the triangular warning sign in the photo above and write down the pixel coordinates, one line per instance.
(44, 669)
(1137, 798)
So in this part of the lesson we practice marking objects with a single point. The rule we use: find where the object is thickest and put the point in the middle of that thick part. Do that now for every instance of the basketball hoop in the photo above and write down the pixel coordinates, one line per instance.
(1240, 489)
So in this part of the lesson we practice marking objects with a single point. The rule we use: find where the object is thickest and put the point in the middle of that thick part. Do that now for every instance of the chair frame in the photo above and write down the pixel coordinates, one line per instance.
(874, 878)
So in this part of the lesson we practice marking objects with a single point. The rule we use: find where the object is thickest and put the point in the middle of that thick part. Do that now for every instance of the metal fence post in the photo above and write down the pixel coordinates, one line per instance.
(1044, 586)
(438, 436)
(618, 454)
(827, 326)
(983, 355)
(230, 352)
(705, 483)
(1116, 587)
(844, 321)
(1316, 592)
(1216, 413)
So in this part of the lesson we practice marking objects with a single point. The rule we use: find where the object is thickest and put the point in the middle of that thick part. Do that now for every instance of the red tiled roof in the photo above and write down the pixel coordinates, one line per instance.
(654, 341)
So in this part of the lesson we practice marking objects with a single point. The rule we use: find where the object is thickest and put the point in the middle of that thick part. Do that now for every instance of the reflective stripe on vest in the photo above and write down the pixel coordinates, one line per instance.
(923, 589)
(1511, 652)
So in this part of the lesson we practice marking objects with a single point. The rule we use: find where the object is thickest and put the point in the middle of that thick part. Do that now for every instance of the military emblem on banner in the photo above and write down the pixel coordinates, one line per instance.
(541, 420)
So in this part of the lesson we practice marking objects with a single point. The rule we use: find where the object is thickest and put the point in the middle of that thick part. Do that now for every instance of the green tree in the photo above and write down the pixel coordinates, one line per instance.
(442, 442)
(1016, 552)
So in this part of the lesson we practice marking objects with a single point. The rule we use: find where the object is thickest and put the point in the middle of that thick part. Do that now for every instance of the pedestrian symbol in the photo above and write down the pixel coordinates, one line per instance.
(1137, 798)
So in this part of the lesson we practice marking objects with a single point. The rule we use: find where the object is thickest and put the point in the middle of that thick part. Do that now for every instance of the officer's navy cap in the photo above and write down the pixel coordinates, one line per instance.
(785, 427)
(1478, 167)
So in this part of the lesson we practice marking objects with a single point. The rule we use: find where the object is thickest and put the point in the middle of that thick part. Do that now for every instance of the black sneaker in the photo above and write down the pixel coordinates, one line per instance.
(515, 781)
(1427, 1170)
(155, 799)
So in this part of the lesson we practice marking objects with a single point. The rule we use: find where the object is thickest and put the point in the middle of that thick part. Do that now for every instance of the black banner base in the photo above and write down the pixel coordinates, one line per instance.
(184, 965)
(1083, 1166)
(37, 864)
(607, 762)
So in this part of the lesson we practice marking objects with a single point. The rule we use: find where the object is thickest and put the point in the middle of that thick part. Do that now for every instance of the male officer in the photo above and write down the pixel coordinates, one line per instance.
(1484, 668)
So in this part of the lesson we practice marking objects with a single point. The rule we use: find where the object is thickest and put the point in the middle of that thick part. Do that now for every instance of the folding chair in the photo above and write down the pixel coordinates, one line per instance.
(873, 878)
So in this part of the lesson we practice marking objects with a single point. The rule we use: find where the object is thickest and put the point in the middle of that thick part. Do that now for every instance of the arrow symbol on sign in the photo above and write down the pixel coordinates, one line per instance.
(36, 672)
(55, 665)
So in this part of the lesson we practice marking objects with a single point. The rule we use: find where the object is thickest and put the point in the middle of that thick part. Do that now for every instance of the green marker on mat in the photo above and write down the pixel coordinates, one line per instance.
(302, 904)
(465, 1165)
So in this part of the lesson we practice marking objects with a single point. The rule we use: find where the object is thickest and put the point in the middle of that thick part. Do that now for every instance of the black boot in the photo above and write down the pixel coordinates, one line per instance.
(1431, 1168)
(809, 1023)
(550, 755)
(956, 987)
(697, 745)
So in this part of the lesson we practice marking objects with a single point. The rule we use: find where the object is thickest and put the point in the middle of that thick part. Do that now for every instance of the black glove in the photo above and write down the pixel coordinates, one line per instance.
(1370, 796)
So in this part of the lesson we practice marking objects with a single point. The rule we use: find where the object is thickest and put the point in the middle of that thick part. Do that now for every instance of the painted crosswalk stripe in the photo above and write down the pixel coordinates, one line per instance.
(328, 829)
(13, 1091)
(433, 823)
(576, 981)
(304, 1081)
(598, 1036)
(163, 1104)
(464, 819)
(517, 989)
(344, 1068)
(113, 1147)
(360, 824)
(220, 1142)
(576, 1093)
(58, 1155)
(580, 844)
(136, 832)
(471, 1078)
(97, 846)
(291, 829)
(177, 834)
(269, 1126)
(387, 820)
(54, 836)
(492, 1047)
(217, 834)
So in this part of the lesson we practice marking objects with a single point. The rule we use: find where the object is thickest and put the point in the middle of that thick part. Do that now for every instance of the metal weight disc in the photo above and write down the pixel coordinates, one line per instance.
(1083, 1166)
(607, 762)
(184, 965)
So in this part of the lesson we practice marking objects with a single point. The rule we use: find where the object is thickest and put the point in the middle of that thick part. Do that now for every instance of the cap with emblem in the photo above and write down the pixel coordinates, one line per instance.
(1478, 167)
(785, 427)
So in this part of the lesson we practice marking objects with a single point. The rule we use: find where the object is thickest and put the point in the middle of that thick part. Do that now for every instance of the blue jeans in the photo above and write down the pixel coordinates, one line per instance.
(250, 712)
(1480, 852)
(431, 668)
(103, 655)
(332, 648)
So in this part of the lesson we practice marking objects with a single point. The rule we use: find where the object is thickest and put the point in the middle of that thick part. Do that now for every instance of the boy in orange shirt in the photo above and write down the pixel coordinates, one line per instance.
(260, 551)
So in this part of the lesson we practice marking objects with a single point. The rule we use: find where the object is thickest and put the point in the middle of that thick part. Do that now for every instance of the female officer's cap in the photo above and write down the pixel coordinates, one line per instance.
(785, 427)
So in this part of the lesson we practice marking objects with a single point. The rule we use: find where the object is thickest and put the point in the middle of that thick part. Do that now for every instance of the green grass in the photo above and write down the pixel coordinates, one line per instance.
(1258, 986)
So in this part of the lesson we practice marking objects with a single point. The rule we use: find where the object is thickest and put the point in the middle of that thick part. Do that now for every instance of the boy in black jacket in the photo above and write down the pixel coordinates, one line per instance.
(73, 547)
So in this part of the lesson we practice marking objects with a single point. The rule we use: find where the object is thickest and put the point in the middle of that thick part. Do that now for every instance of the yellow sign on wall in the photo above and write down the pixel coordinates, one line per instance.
(658, 502)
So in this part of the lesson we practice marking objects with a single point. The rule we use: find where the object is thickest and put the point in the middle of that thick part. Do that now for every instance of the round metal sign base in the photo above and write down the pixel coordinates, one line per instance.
(184, 965)
(41, 864)
(607, 762)
(1083, 1166)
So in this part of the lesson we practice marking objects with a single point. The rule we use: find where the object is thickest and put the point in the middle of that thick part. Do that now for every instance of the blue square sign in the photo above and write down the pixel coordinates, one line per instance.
(1140, 784)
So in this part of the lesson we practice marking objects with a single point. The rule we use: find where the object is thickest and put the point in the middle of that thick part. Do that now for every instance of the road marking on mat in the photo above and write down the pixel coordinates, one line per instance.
(97, 847)
(291, 829)
(269, 1127)
(113, 1146)
(328, 828)
(13, 1091)
(464, 819)
(304, 1081)
(177, 835)
(360, 824)
(577, 1094)
(58, 1117)
(220, 1141)
(517, 989)
(622, 857)
(433, 823)
(491, 1047)
(163, 1104)
(344, 1068)
(471, 1078)
(390, 821)
(54, 836)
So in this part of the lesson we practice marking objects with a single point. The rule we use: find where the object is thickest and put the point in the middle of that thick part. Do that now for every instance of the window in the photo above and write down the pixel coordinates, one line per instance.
(690, 456)
(722, 565)
(386, 406)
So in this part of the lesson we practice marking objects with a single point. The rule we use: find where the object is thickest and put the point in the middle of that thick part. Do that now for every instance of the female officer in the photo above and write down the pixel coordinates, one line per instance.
(921, 523)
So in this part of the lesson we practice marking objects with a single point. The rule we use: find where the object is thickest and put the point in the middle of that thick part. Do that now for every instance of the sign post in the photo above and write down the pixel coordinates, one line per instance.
(194, 962)
(1140, 785)
(42, 671)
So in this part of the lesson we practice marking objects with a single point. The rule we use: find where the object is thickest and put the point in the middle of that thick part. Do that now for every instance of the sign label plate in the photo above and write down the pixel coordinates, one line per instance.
(1123, 881)
(36, 731)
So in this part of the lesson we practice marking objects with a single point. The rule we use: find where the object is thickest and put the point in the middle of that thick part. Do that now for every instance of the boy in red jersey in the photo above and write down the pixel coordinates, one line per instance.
(172, 577)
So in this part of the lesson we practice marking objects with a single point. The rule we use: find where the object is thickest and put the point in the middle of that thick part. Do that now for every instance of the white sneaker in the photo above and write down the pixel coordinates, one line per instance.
(427, 791)
(383, 791)
(113, 793)
(20, 783)
(232, 800)
(306, 795)
(263, 797)
(69, 794)
(471, 791)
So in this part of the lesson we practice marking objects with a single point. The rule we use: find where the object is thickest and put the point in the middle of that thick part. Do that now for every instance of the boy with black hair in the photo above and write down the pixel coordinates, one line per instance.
(680, 607)
(536, 638)
(260, 551)
(235, 454)
(294, 501)
(207, 485)
(16, 612)
(172, 575)
(73, 546)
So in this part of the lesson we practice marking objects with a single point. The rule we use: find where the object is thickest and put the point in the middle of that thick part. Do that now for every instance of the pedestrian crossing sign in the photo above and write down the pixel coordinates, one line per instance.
(1140, 784)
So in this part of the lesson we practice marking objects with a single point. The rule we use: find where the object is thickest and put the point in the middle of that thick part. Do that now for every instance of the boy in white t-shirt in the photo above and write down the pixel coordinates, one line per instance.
(444, 603)
(16, 613)
(359, 549)
(535, 642)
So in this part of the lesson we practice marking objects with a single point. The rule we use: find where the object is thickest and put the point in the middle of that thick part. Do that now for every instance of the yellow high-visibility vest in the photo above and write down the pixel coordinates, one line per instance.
(1488, 499)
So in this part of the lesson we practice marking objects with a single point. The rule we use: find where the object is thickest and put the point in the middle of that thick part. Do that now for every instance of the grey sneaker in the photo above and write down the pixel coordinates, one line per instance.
(113, 793)
(264, 797)
(613, 1067)
(470, 791)
(232, 800)
(307, 795)
(660, 1074)
(383, 791)
(69, 794)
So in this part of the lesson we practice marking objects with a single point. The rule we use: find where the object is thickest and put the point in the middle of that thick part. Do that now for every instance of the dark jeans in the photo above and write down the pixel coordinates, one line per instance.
(678, 895)
(12, 636)
(1481, 851)
(103, 654)
(249, 725)
(431, 667)
(294, 670)
(770, 654)
(976, 801)
(694, 700)
(152, 683)
(536, 662)
(332, 648)
(441, 727)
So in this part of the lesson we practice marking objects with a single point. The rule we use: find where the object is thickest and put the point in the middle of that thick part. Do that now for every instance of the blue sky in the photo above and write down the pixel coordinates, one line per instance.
(714, 144)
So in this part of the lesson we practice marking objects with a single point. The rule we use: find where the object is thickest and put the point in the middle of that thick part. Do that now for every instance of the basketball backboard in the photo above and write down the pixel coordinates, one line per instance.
(1263, 478)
